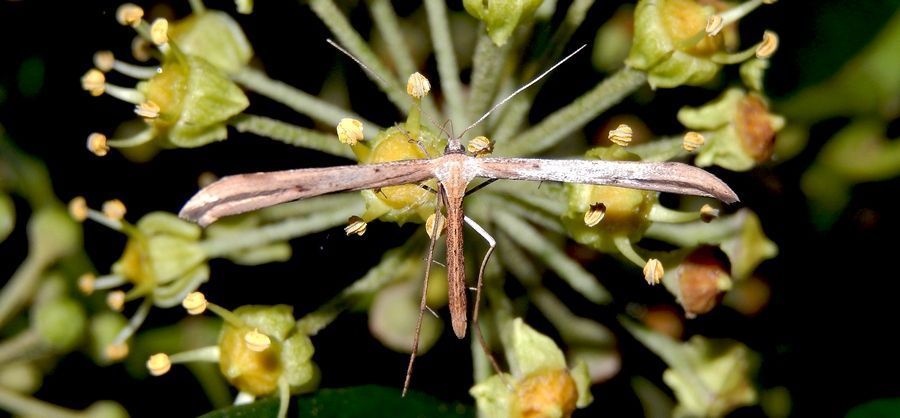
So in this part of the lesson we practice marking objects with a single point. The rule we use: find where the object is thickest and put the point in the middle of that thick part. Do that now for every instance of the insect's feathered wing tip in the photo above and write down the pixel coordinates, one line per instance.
(198, 210)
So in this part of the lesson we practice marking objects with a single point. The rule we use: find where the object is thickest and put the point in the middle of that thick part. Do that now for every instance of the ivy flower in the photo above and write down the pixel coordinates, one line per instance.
(539, 383)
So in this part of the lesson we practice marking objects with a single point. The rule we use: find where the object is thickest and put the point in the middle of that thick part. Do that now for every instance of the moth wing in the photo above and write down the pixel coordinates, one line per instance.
(241, 193)
(669, 177)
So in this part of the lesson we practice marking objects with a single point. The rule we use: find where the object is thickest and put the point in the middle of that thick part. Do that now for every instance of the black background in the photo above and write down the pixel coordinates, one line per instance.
(828, 334)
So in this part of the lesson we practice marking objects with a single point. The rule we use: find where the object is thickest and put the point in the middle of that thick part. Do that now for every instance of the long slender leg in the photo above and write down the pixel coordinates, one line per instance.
(480, 186)
(491, 245)
(422, 305)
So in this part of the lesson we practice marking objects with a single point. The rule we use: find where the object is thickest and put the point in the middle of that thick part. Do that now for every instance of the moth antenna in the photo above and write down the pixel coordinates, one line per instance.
(372, 73)
(356, 60)
(519, 90)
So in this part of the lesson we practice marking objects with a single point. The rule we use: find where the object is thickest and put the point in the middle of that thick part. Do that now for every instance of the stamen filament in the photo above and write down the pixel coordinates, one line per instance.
(136, 320)
(124, 94)
(660, 213)
(139, 72)
(225, 314)
(205, 354)
(139, 138)
(102, 219)
(623, 244)
(109, 281)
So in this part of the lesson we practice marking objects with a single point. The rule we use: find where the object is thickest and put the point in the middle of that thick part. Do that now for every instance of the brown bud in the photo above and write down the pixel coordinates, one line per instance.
(701, 278)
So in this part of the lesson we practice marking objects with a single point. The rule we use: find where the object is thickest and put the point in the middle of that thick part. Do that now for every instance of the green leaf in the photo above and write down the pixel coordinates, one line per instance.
(361, 401)
(880, 408)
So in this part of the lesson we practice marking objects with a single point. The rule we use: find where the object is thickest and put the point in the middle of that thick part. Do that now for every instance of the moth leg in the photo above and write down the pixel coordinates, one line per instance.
(480, 186)
(491, 245)
(422, 305)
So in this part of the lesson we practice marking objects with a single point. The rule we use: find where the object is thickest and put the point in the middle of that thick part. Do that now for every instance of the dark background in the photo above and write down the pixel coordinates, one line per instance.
(828, 334)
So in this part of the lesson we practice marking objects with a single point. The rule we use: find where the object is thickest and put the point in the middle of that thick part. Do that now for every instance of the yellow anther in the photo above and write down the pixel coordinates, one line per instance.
(96, 143)
(692, 141)
(429, 225)
(355, 225)
(257, 341)
(78, 209)
(147, 110)
(714, 25)
(595, 214)
(350, 131)
(114, 209)
(621, 136)
(86, 283)
(129, 14)
(480, 145)
(708, 213)
(195, 303)
(94, 82)
(653, 271)
(159, 31)
(418, 86)
(768, 46)
(115, 300)
(104, 60)
(116, 352)
(159, 364)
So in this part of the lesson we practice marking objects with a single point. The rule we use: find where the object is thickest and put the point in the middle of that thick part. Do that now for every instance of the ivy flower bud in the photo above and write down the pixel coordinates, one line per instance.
(702, 277)
(159, 364)
(418, 86)
(501, 17)
(350, 131)
(741, 131)
(60, 323)
(392, 319)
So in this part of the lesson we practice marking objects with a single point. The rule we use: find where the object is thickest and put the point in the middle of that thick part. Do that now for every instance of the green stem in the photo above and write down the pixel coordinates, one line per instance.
(13, 348)
(573, 329)
(446, 59)
(388, 26)
(291, 134)
(21, 287)
(281, 231)
(212, 382)
(662, 149)
(559, 124)
(298, 100)
(309, 207)
(567, 269)
(350, 39)
(487, 67)
(376, 278)
(22, 405)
